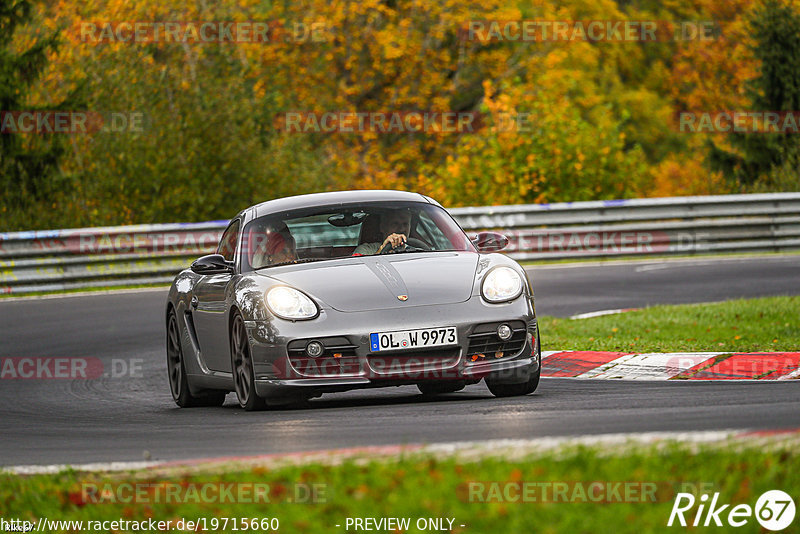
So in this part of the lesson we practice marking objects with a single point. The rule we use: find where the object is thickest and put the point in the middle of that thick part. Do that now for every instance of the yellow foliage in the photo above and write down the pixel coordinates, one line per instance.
(601, 113)
(682, 177)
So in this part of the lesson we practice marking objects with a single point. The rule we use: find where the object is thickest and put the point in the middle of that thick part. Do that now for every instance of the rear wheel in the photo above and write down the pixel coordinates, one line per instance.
(500, 389)
(438, 388)
(176, 370)
(242, 367)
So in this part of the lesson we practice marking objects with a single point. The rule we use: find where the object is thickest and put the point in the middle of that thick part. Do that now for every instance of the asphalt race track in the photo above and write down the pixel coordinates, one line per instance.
(564, 291)
(133, 417)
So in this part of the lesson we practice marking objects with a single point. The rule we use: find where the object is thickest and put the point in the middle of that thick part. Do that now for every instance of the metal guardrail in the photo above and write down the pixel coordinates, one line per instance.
(56, 260)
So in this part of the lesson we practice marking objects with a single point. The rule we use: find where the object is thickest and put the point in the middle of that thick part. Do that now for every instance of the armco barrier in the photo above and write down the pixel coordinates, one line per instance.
(144, 254)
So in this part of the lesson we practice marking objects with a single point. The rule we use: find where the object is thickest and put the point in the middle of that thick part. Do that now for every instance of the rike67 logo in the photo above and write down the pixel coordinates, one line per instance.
(774, 511)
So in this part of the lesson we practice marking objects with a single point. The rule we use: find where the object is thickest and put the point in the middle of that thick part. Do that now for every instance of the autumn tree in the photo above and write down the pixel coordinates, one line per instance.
(776, 87)
(28, 163)
(599, 113)
(702, 76)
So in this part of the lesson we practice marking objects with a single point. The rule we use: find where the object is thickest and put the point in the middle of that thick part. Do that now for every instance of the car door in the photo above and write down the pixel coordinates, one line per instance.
(209, 307)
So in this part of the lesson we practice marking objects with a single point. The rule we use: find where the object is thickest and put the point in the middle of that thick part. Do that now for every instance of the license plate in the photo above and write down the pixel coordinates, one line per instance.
(413, 339)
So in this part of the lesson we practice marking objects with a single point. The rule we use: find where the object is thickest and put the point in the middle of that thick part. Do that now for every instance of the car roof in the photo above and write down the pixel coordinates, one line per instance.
(333, 198)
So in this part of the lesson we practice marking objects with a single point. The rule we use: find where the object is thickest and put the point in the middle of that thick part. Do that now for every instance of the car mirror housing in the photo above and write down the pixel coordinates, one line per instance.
(212, 264)
(490, 242)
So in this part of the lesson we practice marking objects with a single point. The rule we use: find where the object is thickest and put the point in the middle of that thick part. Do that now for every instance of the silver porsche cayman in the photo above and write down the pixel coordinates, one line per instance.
(329, 292)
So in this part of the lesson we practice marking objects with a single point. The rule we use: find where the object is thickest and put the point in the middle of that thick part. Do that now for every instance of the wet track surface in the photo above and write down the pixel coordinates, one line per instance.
(76, 421)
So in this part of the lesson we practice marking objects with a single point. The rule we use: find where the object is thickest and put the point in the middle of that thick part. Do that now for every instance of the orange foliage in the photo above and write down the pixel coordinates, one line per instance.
(601, 111)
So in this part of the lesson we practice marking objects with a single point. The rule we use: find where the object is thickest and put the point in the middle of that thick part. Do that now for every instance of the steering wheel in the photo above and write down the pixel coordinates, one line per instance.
(418, 244)
(411, 244)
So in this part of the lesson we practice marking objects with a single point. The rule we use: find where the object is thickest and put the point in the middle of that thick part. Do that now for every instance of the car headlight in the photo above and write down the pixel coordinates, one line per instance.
(289, 303)
(501, 284)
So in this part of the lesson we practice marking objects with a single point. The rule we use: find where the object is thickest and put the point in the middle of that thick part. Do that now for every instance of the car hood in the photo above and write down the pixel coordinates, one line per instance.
(365, 283)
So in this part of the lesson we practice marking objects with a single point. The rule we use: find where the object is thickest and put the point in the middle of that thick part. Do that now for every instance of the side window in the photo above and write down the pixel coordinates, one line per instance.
(227, 245)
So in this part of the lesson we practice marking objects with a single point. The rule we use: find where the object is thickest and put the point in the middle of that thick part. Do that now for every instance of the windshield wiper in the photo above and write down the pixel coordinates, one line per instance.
(295, 262)
(405, 251)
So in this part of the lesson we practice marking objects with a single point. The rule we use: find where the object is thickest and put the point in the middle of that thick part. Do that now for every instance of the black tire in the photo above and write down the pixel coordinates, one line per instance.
(176, 372)
(499, 389)
(244, 381)
(440, 387)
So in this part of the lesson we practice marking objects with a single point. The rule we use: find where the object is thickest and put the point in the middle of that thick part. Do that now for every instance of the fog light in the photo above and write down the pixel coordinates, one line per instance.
(504, 332)
(314, 349)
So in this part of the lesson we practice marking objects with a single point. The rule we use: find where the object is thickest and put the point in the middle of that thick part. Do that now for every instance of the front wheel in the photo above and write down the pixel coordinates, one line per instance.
(244, 381)
(176, 370)
(499, 389)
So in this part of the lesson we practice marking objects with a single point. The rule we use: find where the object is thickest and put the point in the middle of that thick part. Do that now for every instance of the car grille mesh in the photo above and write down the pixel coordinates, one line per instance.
(339, 357)
(485, 344)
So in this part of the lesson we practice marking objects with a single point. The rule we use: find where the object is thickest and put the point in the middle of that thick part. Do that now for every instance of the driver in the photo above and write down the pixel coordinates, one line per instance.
(395, 225)
(277, 246)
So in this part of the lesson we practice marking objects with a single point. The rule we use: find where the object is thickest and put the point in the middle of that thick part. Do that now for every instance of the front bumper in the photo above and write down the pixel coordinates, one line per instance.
(280, 379)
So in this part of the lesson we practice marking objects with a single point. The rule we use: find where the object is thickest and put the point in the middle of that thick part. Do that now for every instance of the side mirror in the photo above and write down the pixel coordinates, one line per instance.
(490, 242)
(212, 264)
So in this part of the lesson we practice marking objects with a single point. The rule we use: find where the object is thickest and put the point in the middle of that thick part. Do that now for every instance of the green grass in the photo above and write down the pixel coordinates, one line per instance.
(753, 325)
(426, 487)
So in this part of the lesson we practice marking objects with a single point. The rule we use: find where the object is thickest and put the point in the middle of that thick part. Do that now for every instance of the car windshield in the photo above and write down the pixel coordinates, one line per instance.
(345, 230)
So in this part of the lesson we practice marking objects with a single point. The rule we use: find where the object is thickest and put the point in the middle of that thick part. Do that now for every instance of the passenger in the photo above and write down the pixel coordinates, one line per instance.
(277, 246)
